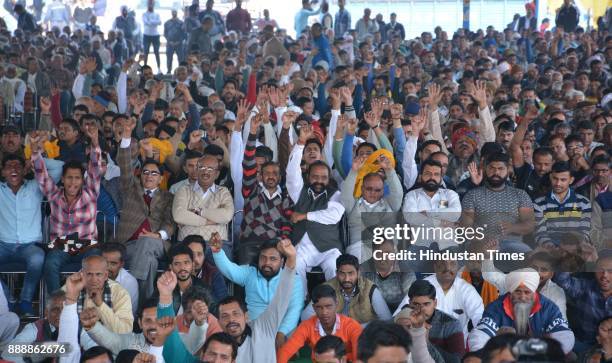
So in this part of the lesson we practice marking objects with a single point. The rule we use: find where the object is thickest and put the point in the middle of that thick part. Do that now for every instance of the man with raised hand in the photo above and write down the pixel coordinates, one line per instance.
(256, 339)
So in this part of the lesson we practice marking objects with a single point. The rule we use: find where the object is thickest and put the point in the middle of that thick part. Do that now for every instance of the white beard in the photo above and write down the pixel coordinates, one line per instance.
(521, 317)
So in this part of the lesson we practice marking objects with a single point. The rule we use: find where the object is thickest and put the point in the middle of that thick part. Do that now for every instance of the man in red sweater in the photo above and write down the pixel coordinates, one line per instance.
(325, 322)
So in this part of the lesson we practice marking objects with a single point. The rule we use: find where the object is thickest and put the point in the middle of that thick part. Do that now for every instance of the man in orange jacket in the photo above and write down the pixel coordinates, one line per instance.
(325, 322)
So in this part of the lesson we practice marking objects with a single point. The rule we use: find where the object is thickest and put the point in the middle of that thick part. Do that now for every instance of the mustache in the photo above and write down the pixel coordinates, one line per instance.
(233, 325)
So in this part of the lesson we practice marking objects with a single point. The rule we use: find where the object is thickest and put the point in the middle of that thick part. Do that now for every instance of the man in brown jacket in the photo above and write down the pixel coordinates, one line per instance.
(146, 222)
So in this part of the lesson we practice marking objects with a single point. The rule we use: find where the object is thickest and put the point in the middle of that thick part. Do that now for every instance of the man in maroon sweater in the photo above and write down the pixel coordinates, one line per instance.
(238, 19)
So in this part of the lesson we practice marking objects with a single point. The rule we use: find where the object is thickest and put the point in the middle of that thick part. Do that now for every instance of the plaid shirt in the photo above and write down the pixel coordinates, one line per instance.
(266, 216)
(590, 302)
(80, 217)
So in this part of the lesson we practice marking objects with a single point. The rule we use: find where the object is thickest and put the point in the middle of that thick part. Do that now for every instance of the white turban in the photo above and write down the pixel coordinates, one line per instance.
(525, 276)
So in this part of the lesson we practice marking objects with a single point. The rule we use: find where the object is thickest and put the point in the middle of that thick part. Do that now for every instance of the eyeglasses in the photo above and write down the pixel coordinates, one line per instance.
(150, 172)
(206, 169)
(373, 190)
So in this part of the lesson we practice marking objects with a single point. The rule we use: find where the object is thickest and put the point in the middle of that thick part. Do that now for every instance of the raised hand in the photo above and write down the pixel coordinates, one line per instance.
(128, 128)
(479, 93)
(346, 96)
(358, 163)
(435, 95)
(287, 249)
(75, 283)
(45, 105)
(417, 318)
(289, 118)
(531, 114)
(306, 132)
(335, 96)
(419, 121)
(275, 95)
(199, 311)
(126, 65)
(91, 130)
(89, 317)
(144, 358)
(397, 111)
(36, 144)
(256, 121)
(385, 163)
(147, 146)
(215, 242)
(371, 119)
(341, 126)
(241, 114)
(475, 173)
(377, 107)
(166, 283)
(194, 137)
(351, 126)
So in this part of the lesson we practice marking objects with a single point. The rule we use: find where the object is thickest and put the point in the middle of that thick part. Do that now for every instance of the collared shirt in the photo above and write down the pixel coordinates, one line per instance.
(20, 214)
(277, 193)
(198, 189)
(32, 82)
(336, 326)
(129, 282)
(444, 206)
(80, 216)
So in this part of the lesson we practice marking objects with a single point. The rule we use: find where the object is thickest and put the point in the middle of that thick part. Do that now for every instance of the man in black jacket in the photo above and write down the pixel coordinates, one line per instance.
(568, 16)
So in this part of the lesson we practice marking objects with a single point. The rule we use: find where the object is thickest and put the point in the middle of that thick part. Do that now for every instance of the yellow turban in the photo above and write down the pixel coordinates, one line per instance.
(371, 166)
(51, 148)
(163, 146)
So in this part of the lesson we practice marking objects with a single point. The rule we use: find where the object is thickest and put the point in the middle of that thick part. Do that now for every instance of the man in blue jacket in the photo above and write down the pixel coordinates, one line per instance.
(524, 311)
(260, 281)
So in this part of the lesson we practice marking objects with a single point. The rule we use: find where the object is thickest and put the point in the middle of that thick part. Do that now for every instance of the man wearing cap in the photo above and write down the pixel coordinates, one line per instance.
(524, 311)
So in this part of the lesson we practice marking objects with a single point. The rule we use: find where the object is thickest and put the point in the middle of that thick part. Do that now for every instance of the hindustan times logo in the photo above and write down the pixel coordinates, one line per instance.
(422, 232)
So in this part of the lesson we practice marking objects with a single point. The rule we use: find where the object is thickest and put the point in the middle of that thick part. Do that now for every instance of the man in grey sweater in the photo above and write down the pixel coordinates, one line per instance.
(142, 342)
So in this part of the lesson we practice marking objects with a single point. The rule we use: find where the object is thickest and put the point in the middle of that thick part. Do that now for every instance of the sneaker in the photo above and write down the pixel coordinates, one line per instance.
(26, 311)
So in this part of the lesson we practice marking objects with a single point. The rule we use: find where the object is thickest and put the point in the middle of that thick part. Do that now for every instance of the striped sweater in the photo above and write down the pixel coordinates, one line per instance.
(264, 218)
(555, 219)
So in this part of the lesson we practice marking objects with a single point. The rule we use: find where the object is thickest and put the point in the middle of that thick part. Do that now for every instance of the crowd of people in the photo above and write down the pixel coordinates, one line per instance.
(227, 211)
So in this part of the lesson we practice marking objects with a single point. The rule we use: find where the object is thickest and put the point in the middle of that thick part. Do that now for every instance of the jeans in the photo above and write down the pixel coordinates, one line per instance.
(60, 261)
(147, 40)
(171, 49)
(29, 254)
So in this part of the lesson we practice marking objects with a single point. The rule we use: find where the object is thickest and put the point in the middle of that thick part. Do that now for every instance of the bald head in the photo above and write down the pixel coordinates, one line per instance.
(95, 272)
